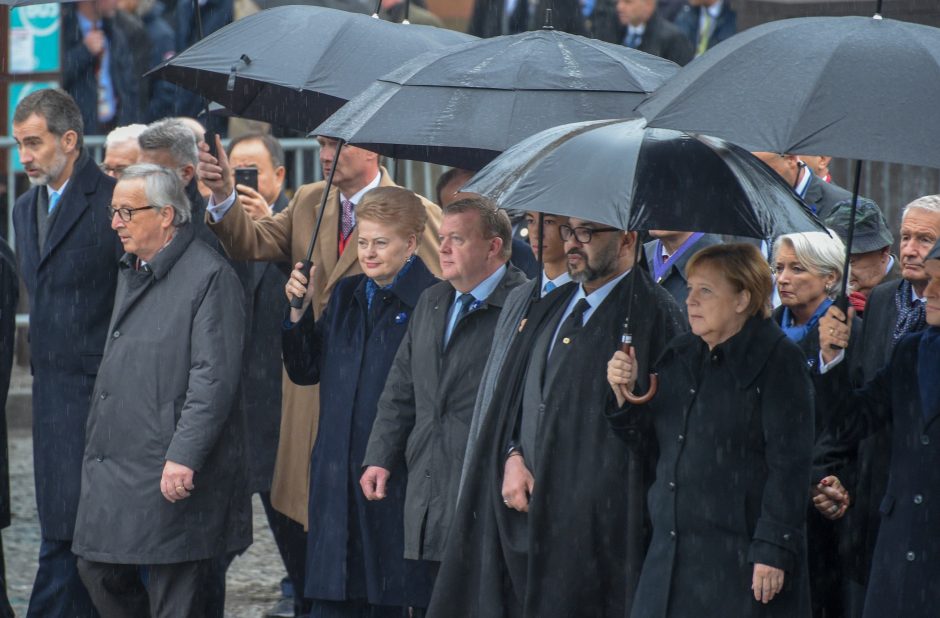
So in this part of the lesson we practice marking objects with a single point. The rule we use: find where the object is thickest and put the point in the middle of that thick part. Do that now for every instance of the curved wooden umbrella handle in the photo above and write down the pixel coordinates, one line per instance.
(625, 346)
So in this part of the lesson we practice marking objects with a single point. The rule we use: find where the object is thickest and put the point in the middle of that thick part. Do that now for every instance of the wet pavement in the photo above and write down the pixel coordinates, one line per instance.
(253, 583)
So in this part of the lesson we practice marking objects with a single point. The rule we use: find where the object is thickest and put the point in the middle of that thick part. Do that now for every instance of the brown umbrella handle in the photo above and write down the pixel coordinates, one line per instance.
(626, 344)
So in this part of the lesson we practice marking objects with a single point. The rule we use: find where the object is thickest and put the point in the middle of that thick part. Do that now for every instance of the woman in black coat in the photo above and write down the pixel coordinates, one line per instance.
(733, 419)
(355, 548)
(808, 270)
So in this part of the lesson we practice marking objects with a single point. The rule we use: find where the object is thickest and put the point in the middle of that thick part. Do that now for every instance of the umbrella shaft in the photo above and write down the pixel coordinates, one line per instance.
(850, 236)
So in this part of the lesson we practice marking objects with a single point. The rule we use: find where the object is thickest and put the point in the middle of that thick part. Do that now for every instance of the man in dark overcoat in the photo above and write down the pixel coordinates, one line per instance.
(904, 394)
(667, 255)
(9, 294)
(551, 517)
(171, 493)
(68, 262)
(425, 410)
(894, 309)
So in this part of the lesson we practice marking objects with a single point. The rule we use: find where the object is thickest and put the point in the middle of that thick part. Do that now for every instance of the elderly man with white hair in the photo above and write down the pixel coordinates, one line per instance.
(163, 475)
(121, 149)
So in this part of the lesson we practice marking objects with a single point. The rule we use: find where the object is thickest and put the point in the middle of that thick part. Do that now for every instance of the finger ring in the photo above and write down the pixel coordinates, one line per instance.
(179, 487)
(832, 331)
(833, 508)
(505, 501)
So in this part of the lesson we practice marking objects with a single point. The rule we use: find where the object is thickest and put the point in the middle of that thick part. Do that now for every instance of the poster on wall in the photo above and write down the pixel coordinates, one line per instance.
(34, 39)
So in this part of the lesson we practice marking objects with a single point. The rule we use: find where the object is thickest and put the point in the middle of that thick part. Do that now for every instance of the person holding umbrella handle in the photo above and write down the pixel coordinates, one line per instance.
(735, 435)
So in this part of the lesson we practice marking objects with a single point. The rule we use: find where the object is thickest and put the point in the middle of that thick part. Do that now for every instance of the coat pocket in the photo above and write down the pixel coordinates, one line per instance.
(887, 505)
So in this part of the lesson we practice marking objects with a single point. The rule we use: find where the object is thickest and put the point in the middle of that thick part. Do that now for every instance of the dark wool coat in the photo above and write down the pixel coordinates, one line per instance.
(578, 550)
(70, 283)
(9, 294)
(355, 547)
(906, 564)
(166, 392)
(426, 407)
(735, 432)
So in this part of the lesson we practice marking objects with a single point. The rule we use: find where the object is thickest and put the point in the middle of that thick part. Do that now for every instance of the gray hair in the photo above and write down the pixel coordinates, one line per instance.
(58, 109)
(123, 134)
(820, 253)
(163, 187)
(174, 137)
(930, 203)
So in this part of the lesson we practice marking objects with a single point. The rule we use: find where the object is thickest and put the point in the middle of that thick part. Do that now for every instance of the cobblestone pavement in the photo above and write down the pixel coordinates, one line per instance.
(253, 584)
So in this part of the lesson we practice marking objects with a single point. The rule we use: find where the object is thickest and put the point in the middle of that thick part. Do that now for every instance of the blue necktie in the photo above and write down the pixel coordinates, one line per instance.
(461, 305)
(53, 200)
(548, 287)
(633, 40)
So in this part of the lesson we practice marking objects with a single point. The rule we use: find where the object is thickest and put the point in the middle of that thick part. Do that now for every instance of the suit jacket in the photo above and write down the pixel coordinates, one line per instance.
(488, 19)
(674, 281)
(425, 409)
(662, 38)
(725, 27)
(904, 569)
(78, 73)
(9, 293)
(71, 286)
(284, 237)
(261, 370)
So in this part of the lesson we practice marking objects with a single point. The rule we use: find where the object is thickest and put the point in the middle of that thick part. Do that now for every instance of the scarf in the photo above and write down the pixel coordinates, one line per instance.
(796, 333)
(372, 287)
(928, 366)
(912, 315)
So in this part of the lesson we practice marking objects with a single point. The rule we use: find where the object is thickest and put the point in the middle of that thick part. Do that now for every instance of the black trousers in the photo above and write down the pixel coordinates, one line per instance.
(173, 590)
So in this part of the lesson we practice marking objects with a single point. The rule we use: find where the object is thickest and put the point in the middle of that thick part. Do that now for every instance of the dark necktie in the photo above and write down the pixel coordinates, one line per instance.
(348, 222)
(569, 330)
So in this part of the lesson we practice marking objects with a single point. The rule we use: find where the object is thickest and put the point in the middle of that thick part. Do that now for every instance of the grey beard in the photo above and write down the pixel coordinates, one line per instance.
(58, 164)
(593, 272)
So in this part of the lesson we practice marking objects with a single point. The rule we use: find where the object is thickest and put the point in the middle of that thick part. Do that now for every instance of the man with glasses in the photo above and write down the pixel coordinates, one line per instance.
(121, 149)
(163, 477)
(558, 530)
(68, 262)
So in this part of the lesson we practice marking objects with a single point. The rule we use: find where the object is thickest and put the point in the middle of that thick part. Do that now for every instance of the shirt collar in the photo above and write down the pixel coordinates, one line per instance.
(60, 190)
(596, 297)
(715, 9)
(890, 264)
(358, 196)
(805, 176)
(486, 287)
(86, 24)
(638, 30)
(915, 298)
(559, 281)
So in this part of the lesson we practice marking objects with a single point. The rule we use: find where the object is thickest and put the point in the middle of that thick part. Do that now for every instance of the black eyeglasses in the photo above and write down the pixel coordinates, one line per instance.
(582, 234)
(126, 213)
(115, 172)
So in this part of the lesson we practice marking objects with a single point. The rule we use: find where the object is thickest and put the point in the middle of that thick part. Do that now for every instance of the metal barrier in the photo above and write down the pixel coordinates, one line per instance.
(303, 155)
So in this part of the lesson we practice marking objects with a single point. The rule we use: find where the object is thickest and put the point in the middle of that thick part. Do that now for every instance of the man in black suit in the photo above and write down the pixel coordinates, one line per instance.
(644, 29)
(668, 253)
(9, 294)
(498, 17)
(68, 260)
(821, 196)
(707, 23)
(894, 309)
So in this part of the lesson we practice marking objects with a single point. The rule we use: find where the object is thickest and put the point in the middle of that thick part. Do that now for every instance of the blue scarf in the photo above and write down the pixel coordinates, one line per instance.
(928, 368)
(912, 314)
(372, 287)
(796, 333)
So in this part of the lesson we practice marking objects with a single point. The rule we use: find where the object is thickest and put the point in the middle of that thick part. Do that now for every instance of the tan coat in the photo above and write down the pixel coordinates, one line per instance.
(282, 237)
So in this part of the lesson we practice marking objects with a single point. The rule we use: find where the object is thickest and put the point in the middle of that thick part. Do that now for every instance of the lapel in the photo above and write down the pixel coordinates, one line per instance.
(259, 269)
(73, 203)
(814, 194)
(30, 232)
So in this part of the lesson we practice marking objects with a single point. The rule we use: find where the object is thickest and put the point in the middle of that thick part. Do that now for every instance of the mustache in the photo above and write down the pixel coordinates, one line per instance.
(576, 251)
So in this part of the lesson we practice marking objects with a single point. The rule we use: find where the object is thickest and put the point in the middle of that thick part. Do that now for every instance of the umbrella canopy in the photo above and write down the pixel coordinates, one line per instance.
(462, 106)
(293, 66)
(356, 6)
(622, 174)
(853, 87)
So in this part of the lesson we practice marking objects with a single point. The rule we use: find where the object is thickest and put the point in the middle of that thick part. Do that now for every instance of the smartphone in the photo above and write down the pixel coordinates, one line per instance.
(247, 176)
(209, 136)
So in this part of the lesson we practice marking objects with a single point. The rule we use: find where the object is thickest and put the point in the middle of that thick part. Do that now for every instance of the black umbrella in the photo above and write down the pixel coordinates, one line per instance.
(356, 6)
(625, 175)
(293, 66)
(462, 106)
(854, 87)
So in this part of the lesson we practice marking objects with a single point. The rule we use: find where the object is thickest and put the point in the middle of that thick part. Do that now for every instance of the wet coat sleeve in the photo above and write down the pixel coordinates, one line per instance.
(265, 240)
(218, 334)
(302, 346)
(787, 425)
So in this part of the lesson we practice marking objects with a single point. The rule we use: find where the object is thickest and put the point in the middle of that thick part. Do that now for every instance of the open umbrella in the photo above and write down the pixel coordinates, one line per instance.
(463, 105)
(853, 87)
(293, 66)
(641, 179)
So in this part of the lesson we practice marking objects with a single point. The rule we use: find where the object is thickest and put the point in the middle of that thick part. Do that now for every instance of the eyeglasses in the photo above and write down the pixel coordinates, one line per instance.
(115, 172)
(582, 234)
(126, 213)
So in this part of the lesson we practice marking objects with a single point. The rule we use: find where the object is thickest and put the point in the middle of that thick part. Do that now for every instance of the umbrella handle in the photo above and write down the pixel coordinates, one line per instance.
(297, 302)
(626, 344)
